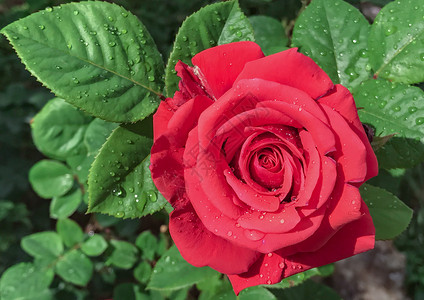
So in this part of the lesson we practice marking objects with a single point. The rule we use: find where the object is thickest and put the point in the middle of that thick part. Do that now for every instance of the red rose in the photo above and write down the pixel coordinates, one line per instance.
(261, 158)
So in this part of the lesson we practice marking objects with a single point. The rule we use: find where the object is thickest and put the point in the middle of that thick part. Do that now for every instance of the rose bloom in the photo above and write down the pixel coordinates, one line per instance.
(261, 159)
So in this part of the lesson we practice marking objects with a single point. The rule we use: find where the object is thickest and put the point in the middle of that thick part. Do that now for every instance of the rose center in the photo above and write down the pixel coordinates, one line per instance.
(266, 167)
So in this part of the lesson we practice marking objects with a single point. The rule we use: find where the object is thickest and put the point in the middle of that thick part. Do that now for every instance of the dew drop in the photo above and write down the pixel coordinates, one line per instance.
(76, 12)
(268, 282)
(382, 104)
(253, 235)
(152, 196)
(42, 27)
(151, 78)
(112, 44)
(390, 30)
(49, 9)
(282, 221)
(124, 14)
(412, 109)
(140, 203)
(419, 121)
(422, 56)
(229, 233)
(281, 265)
(120, 214)
(118, 191)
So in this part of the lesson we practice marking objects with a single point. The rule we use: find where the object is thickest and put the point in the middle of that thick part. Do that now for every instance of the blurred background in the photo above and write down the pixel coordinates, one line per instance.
(395, 270)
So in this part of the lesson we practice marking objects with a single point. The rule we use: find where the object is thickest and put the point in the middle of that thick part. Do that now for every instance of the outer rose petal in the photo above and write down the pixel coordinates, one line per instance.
(167, 151)
(221, 65)
(202, 248)
(267, 270)
(161, 118)
(351, 153)
(352, 239)
(342, 101)
(290, 68)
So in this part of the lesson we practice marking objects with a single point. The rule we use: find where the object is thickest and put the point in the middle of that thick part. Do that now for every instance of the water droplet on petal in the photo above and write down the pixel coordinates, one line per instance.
(254, 235)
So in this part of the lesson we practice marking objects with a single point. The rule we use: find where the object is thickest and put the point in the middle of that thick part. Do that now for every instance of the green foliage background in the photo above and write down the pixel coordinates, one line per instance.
(96, 256)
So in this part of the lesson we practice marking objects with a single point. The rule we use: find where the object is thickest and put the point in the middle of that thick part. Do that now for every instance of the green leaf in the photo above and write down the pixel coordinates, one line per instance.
(394, 109)
(214, 24)
(396, 42)
(143, 271)
(80, 165)
(303, 276)
(50, 178)
(237, 28)
(335, 35)
(269, 34)
(75, 267)
(95, 55)
(24, 282)
(389, 214)
(172, 272)
(308, 290)
(58, 129)
(124, 255)
(254, 293)
(70, 232)
(148, 244)
(97, 133)
(94, 246)
(63, 206)
(42, 244)
(120, 181)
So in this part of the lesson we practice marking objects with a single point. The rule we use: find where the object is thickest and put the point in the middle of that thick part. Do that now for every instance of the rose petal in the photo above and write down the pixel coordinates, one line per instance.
(322, 135)
(221, 65)
(280, 221)
(354, 238)
(351, 153)
(202, 248)
(324, 186)
(289, 68)
(251, 197)
(266, 270)
(161, 118)
(342, 101)
(312, 168)
(167, 151)
(212, 217)
(345, 207)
